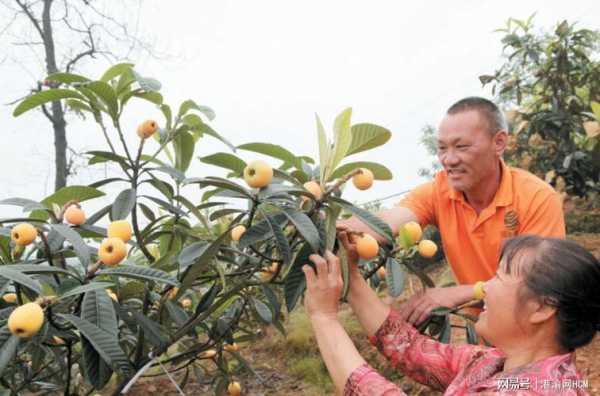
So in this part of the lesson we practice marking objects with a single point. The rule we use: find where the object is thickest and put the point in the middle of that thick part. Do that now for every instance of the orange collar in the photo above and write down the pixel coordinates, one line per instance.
(504, 194)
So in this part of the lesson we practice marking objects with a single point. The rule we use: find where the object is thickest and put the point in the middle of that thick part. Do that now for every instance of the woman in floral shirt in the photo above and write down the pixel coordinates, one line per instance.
(542, 304)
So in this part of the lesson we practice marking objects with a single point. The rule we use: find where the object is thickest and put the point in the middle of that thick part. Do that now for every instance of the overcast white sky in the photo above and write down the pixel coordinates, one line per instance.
(267, 66)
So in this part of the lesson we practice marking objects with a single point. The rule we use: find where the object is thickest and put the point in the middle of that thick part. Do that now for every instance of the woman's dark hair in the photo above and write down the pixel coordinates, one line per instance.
(563, 274)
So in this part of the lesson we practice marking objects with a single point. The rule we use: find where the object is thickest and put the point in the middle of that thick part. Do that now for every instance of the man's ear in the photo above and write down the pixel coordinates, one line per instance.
(500, 141)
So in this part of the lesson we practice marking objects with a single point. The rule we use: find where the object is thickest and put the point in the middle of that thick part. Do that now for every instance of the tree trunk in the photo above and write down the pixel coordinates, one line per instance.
(57, 114)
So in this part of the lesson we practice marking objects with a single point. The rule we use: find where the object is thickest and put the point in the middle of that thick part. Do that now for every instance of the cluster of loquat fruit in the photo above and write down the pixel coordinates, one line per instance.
(26, 320)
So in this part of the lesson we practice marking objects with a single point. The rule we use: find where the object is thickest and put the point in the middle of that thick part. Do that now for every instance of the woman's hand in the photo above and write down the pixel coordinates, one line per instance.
(349, 245)
(323, 288)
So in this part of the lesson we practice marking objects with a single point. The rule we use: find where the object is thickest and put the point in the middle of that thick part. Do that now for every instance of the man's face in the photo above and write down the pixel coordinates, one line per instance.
(467, 150)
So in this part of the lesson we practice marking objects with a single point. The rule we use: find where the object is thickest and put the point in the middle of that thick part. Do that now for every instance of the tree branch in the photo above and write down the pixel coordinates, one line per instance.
(34, 21)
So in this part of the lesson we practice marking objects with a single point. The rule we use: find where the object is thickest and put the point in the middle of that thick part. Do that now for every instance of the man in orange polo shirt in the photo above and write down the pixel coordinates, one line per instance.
(476, 201)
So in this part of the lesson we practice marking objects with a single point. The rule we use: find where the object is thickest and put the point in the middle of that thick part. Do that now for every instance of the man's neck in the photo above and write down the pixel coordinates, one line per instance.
(483, 194)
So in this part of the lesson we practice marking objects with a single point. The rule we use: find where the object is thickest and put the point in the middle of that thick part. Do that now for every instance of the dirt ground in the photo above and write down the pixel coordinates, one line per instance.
(276, 380)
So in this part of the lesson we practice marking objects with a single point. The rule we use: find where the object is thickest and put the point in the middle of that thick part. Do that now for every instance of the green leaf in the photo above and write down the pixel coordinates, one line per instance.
(190, 104)
(472, 337)
(123, 205)
(166, 110)
(106, 94)
(260, 231)
(271, 297)
(176, 174)
(272, 150)
(104, 342)
(295, 281)
(323, 149)
(208, 298)
(596, 109)
(78, 106)
(152, 331)
(221, 183)
(195, 210)
(116, 71)
(26, 204)
(97, 309)
(98, 215)
(183, 145)
(367, 136)
(227, 161)
(217, 214)
(198, 126)
(178, 315)
(394, 277)
(64, 195)
(85, 288)
(372, 221)
(39, 269)
(263, 311)
(20, 278)
(43, 97)
(305, 227)
(191, 253)
(342, 138)
(8, 348)
(282, 243)
(380, 172)
(446, 331)
(440, 311)
(81, 249)
(202, 262)
(152, 97)
(67, 78)
(98, 157)
(165, 205)
(142, 273)
(147, 83)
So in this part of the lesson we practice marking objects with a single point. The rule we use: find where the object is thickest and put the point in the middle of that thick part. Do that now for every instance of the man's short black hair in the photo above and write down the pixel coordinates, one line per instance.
(486, 108)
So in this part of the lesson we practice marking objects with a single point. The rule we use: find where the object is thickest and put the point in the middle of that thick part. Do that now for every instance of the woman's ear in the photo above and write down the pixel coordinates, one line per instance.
(540, 313)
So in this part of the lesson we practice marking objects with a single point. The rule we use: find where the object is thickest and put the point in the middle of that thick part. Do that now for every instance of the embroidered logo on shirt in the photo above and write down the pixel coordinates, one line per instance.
(511, 223)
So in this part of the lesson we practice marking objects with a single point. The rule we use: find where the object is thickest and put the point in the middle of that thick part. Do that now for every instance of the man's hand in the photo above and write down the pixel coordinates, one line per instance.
(419, 306)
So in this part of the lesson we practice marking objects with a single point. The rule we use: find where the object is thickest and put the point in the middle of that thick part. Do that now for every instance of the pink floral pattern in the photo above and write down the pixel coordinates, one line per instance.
(460, 369)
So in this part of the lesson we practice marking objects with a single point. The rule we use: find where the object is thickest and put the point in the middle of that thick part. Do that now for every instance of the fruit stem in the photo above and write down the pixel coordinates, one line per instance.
(69, 363)
(122, 139)
(169, 138)
(340, 182)
(98, 118)
(93, 269)
(48, 253)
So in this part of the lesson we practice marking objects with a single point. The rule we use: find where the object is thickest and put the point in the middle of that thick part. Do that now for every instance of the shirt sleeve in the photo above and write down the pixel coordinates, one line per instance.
(546, 217)
(364, 381)
(420, 202)
(422, 358)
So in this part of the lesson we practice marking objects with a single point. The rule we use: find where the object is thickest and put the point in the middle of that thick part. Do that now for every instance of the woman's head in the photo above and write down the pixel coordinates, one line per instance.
(543, 286)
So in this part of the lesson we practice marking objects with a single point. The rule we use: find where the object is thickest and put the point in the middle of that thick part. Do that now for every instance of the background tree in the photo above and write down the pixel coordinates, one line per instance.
(550, 81)
(64, 34)
(428, 139)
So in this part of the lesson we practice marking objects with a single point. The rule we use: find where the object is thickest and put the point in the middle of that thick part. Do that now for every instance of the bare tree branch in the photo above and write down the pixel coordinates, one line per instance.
(89, 52)
(34, 21)
(27, 43)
